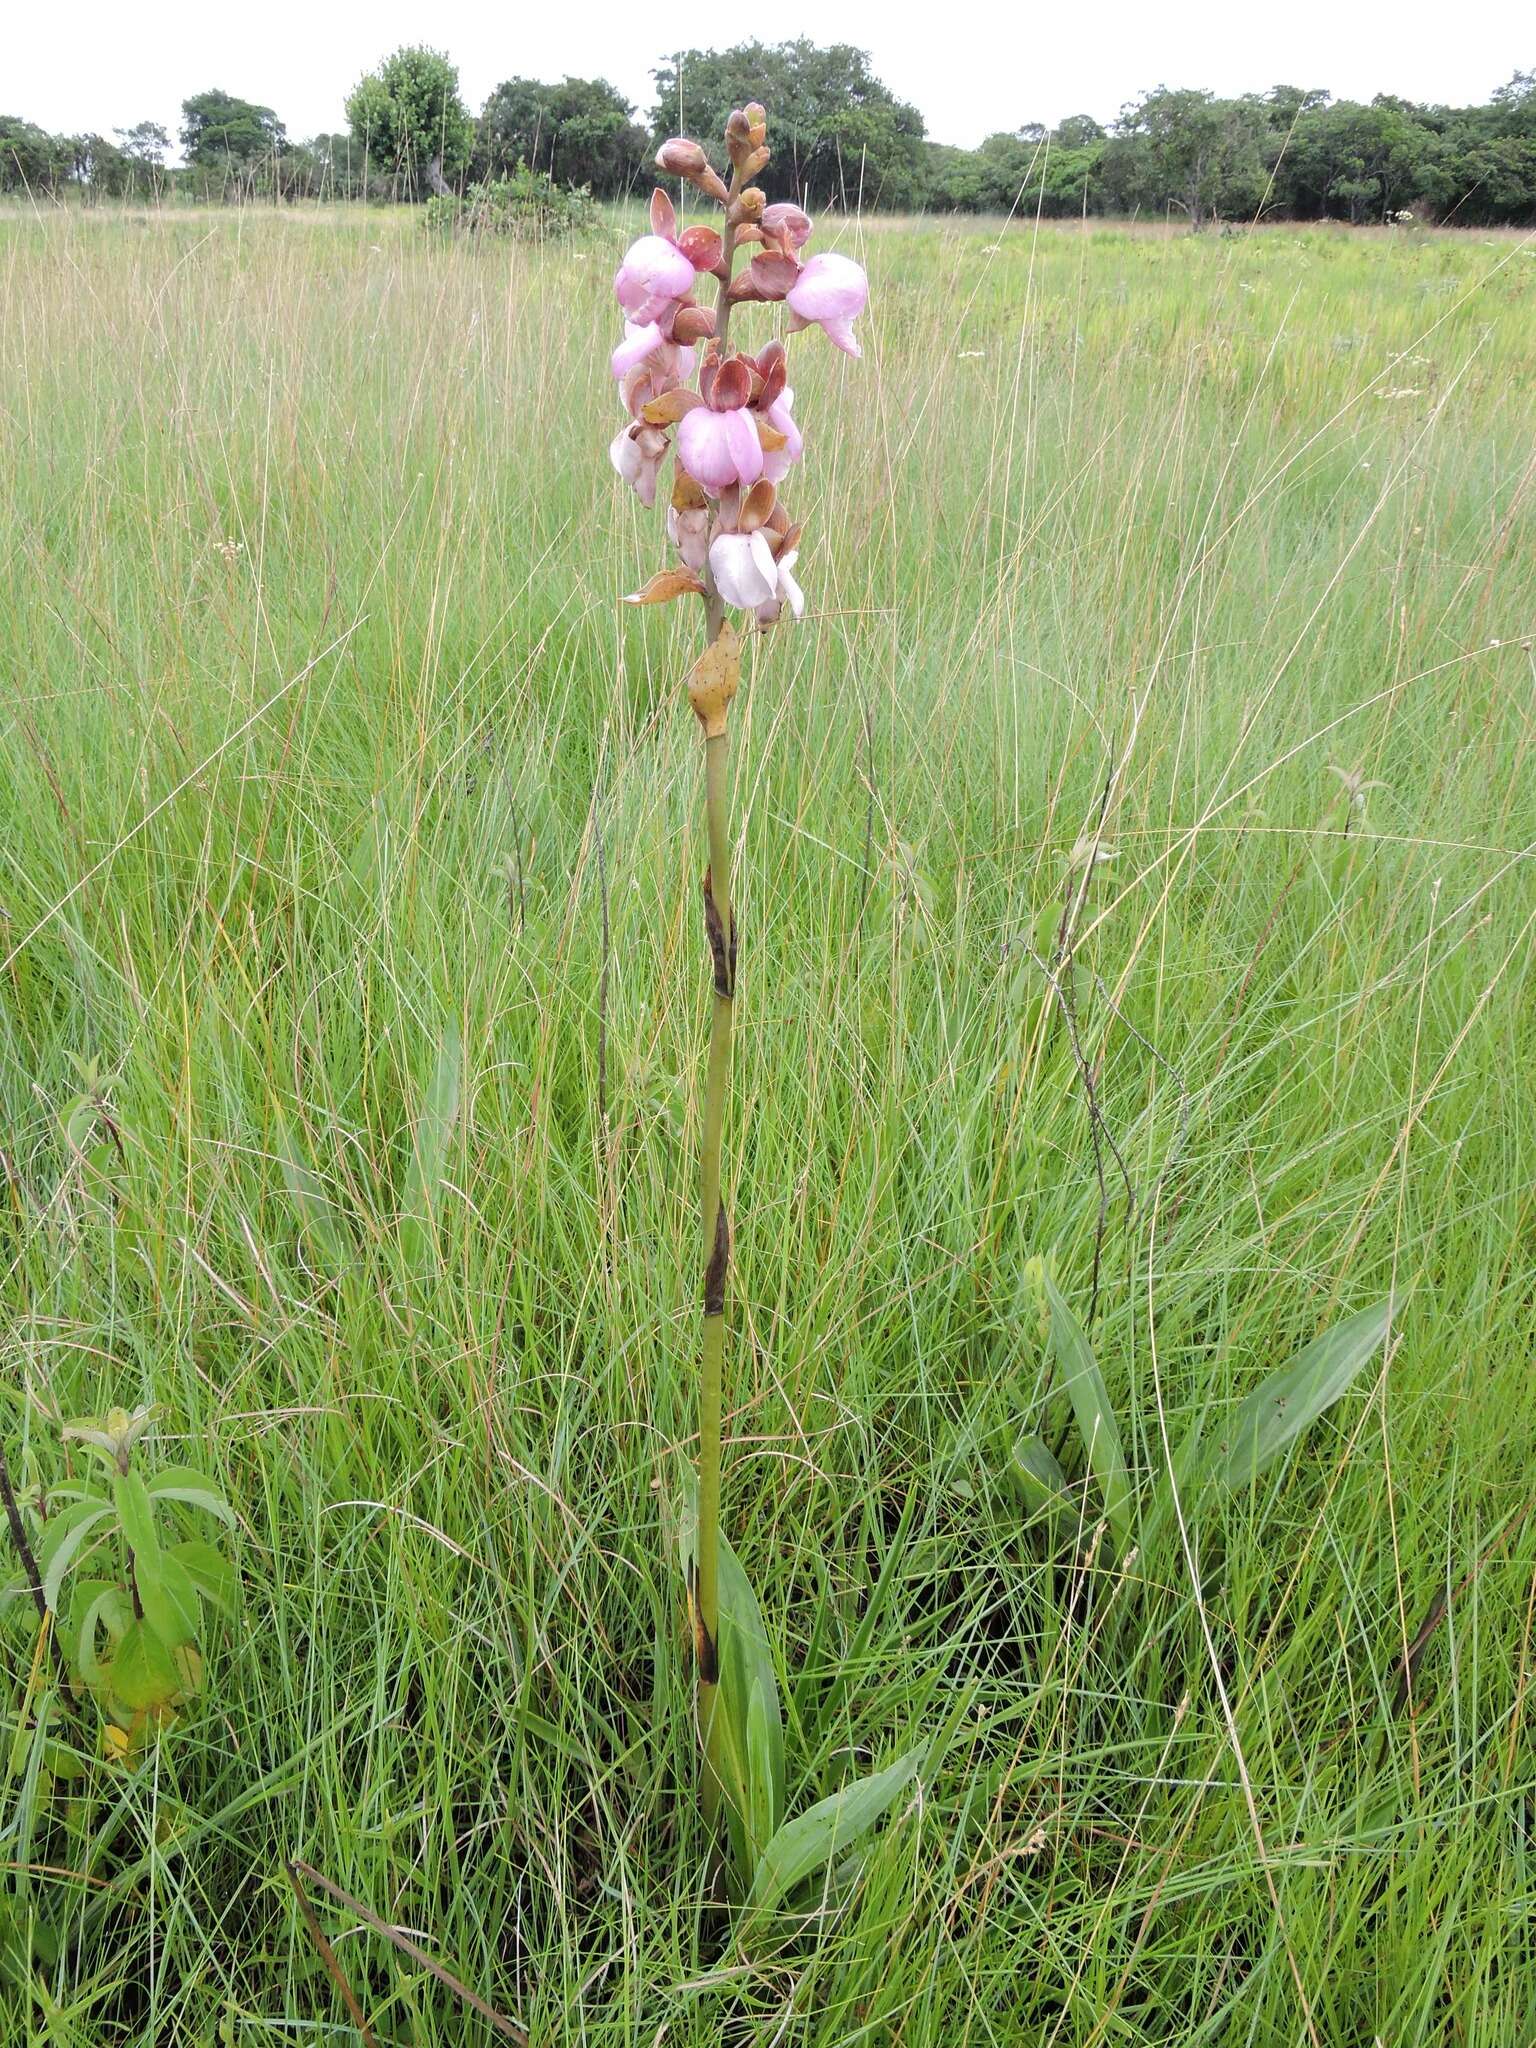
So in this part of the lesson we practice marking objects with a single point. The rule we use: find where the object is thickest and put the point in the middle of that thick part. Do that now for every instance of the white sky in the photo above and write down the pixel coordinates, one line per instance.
(971, 67)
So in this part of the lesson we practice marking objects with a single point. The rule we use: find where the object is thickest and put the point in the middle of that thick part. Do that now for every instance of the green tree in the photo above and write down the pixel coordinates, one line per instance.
(32, 160)
(1191, 150)
(838, 136)
(218, 130)
(1359, 163)
(411, 122)
(144, 146)
(581, 132)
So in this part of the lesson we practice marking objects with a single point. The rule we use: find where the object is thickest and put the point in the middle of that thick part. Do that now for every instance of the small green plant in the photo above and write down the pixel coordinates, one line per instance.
(1250, 1438)
(528, 206)
(120, 1590)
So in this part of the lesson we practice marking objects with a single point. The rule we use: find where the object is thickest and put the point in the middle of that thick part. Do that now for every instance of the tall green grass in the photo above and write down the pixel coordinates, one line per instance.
(317, 699)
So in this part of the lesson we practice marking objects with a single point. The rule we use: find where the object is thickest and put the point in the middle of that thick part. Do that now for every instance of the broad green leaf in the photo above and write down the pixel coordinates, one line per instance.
(96, 1604)
(1276, 1413)
(750, 1760)
(808, 1844)
(62, 1540)
(136, 1512)
(143, 1673)
(171, 1605)
(1084, 1386)
(193, 1489)
(429, 1153)
(321, 1220)
(209, 1570)
(1037, 1479)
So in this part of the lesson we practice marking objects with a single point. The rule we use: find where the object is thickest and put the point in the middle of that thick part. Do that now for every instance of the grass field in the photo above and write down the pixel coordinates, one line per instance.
(327, 756)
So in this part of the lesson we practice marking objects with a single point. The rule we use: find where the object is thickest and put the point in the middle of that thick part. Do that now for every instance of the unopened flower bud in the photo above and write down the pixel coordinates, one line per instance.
(738, 135)
(757, 122)
(683, 157)
(750, 204)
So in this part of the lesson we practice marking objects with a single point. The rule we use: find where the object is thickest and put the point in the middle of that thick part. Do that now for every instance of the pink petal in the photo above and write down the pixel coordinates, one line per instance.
(625, 456)
(746, 449)
(704, 448)
(743, 569)
(791, 223)
(841, 332)
(639, 342)
(653, 273)
(778, 462)
(830, 287)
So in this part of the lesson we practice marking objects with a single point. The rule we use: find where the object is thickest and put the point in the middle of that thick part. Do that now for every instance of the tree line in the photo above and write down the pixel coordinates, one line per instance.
(842, 139)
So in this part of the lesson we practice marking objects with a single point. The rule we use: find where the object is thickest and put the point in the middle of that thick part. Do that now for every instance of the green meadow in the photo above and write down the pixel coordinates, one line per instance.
(352, 1013)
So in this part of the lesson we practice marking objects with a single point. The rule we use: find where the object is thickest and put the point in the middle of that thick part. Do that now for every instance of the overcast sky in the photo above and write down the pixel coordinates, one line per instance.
(972, 68)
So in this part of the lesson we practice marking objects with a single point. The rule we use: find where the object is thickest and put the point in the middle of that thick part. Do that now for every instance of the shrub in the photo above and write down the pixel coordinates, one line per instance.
(528, 205)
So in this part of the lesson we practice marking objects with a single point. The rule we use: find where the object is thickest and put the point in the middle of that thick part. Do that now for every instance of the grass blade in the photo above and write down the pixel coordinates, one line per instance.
(429, 1153)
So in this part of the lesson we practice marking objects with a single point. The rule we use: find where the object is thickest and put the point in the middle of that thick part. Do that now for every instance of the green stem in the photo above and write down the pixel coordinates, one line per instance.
(716, 1230)
(721, 932)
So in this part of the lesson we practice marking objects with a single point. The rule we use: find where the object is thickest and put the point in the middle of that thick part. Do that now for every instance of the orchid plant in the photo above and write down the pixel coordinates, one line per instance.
(727, 416)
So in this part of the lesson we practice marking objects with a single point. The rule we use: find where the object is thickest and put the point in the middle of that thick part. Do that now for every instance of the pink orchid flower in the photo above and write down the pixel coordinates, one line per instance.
(786, 223)
(654, 274)
(660, 268)
(743, 567)
(830, 293)
(717, 441)
(645, 356)
(637, 452)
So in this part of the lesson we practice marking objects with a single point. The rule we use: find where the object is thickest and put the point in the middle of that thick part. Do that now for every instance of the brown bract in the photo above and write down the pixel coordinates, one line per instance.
(667, 410)
(756, 507)
(703, 248)
(693, 323)
(713, 681)
(667, 584)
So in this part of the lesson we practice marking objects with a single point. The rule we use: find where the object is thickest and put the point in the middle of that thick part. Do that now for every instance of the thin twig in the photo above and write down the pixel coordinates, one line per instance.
(34, 1579)
(1439, 1607)
(328, 1956)
(521, 901)
(1175, 1151)
(1097, 1125)
(508, 2029)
